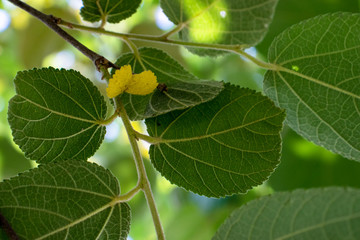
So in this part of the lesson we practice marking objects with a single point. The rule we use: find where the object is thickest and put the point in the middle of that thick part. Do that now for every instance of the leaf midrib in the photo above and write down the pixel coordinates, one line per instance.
(59, 90)
(84, 218)
(317, 55)
(38, 210)
(162, 140)
(107, 12)
(58, 113)
(63, 188)
(214, 166)
(314, 80)
(199, 14)
(62, 138)
(320, 225)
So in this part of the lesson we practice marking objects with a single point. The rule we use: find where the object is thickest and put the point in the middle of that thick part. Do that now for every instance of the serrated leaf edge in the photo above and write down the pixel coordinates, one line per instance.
(159, 141)
(111, 204)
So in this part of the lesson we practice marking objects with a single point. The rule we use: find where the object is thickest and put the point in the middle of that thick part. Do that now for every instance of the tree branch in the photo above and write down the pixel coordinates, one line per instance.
(52, 23)
(238, 49)
(4, 224)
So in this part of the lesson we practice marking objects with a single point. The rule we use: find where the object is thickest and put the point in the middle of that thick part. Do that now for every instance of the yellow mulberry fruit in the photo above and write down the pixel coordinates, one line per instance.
(124, 81)
(119, 82)
(143, 83)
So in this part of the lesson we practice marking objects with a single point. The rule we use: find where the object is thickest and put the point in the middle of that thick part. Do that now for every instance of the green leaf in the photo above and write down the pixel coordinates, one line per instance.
(113, 11)
(330, 213)
(221, 147)
(184, 89)
(228, 22)
(3, 235)
(67, 200)
(318, 81)
(56, 115)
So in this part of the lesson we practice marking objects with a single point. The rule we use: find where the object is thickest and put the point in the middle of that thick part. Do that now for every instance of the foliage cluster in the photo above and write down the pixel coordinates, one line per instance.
(209, 137)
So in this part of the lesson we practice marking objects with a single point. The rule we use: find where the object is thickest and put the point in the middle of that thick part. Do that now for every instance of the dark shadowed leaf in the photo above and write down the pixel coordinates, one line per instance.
(67, 200)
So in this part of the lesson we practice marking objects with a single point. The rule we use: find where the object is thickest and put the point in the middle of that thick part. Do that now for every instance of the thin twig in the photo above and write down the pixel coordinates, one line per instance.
(5, 225)
(238, 49)
(52, 23)
(152, 38)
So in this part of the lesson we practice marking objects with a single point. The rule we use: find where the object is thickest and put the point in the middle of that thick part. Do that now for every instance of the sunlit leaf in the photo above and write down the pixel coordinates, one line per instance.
(183, 89)
(56, 115)
(321, 88)
(330, 213)
(228, 22)
(113, 11)
(67, 200)
(221, 147)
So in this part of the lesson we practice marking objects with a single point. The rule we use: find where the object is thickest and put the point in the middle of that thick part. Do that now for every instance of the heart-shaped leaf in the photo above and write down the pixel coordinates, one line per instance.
(56, 115)
(318, 81)
(221, 147)
(113, 11)
(67, 200)
(330, 213)
(228, 22)
(183, 90)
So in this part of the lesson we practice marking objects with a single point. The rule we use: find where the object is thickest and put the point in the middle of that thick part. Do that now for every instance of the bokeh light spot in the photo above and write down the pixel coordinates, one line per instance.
(75, 4)
(63, 59)
(161, 20)
(112, 131)
(4, 20)
(223, 14)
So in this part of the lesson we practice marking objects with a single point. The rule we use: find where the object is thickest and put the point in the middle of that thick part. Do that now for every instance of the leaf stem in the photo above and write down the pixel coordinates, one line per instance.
(147, 138)
(258, 62)
(52, 22)
(110, 119)
(127, 196)
(143, 179)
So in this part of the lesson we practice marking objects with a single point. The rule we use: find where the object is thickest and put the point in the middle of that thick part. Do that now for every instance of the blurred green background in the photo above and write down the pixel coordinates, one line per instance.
(26, 43)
